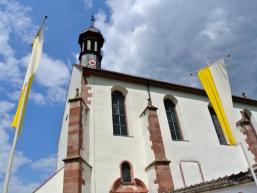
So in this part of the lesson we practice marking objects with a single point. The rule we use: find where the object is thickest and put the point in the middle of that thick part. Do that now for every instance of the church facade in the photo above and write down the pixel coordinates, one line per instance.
(126, 134)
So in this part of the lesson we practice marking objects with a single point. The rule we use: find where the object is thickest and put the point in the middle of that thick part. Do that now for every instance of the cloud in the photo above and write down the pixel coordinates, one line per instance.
(13, 19)
(168, 40)
(53, 74)
(37, 98)
(18, 186)
(20, 159)
(47, 164)
(16, 22)
(88, 3)
(44, 166)
(6, 106)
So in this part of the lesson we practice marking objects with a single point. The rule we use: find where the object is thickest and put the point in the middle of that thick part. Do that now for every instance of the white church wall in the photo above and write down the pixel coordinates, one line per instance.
(85, 150)
(109, 150)
(54, 184)
(149, 156)
(191, 172)
(87, 176)
(62, 144)
(151, 176)
(200, 142)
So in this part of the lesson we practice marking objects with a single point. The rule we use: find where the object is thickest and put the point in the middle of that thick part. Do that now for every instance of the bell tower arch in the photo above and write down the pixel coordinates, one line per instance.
(91, 42)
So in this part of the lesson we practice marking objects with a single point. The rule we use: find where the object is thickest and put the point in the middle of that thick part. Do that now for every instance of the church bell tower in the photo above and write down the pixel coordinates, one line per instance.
(91, 42)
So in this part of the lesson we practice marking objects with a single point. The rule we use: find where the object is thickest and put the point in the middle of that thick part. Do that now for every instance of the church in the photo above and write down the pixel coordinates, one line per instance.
(127, 134)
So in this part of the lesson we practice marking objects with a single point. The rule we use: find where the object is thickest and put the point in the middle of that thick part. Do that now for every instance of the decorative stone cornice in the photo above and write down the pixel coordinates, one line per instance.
(157, 162)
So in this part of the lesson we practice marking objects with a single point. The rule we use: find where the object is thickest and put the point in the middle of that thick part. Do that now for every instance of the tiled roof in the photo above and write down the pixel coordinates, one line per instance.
(224, 182)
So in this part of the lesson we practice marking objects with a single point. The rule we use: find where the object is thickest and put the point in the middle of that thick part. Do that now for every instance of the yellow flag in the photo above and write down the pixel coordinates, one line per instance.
(215, 81)
(37, 47)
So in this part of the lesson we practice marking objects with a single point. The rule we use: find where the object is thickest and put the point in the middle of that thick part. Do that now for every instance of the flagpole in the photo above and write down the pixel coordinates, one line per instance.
(15, 139)
(11, 156)
(249, 164)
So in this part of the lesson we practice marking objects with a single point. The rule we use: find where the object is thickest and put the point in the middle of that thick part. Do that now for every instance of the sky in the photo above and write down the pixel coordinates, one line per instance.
(160, 39)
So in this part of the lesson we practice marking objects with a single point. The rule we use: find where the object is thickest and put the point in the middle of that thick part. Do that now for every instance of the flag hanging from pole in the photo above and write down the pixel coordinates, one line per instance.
(214, 79)
(37, 47)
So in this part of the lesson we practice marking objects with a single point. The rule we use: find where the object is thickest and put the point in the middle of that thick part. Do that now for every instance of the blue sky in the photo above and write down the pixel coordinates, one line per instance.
(37, 145)
(161, 39)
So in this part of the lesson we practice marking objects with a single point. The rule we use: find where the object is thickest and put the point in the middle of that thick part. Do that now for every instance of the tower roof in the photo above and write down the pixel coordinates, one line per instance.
(91, 33)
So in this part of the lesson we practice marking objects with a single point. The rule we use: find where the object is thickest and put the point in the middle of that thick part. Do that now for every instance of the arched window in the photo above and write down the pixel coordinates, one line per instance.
(172, 120)
(95, 49)
(217, 126)
(125, 172)
(88, 44)
(119, 114)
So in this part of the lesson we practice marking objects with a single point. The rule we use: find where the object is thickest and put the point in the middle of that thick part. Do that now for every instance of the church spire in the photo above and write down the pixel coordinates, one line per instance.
(93, 21)
(91, 42)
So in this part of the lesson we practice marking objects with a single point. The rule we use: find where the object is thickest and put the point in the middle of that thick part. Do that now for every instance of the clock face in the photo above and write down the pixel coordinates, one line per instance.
(92, 62)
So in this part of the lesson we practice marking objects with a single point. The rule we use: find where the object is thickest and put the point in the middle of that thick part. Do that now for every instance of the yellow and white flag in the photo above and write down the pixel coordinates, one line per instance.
(214, 79)
(37, 47)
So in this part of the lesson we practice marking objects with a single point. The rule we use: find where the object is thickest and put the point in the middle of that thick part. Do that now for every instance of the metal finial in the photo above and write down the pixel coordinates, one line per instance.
(149, 102)
(92, 21)
(77, 92)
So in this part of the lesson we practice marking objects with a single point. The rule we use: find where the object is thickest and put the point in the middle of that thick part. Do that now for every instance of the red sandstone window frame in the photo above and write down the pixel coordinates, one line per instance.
(132, 179)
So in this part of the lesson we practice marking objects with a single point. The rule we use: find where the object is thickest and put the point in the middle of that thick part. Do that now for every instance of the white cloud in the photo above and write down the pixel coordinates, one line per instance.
(15, 22)
(18, 186)
(46, 165)
(37, 98)
(168, 40)
(6, 106)
(13, 19)
(53, 74)
(88, 3)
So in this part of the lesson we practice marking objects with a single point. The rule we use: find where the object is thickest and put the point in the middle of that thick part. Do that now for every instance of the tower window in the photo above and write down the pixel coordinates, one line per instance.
(83, 47)
(92, 45)
(95, 46)
(172, 120)
(88, 44)
(125, 172)
(217, 126)
(119, 114)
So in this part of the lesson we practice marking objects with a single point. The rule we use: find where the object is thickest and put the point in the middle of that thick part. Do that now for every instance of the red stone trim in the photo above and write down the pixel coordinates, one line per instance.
(157, 162)
(137, 187)
(85, 89)
(182, 173)
(161, 164)
(248, 130)
(74, 159)
(73, 163)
